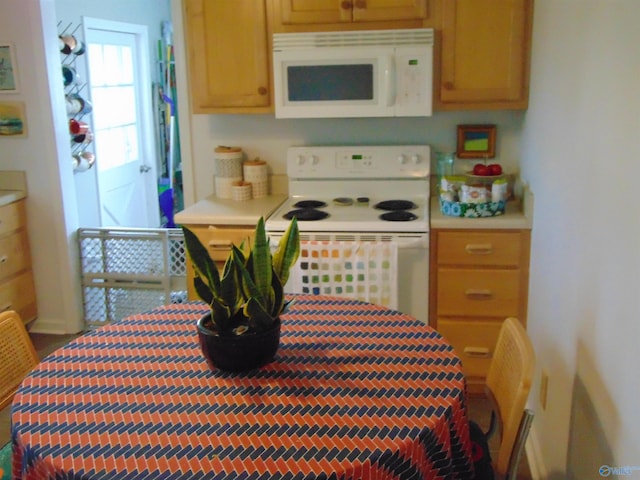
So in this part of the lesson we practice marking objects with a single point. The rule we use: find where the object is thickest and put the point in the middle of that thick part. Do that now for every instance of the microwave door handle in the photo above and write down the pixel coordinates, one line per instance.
(390, 81)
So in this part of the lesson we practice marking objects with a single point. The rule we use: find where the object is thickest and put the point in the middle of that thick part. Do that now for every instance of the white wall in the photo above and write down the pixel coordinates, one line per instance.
(580, 153)
(50, 202)
(45, 155)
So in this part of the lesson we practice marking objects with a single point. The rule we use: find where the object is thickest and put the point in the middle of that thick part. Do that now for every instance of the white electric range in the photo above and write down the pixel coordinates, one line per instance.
(364, 194)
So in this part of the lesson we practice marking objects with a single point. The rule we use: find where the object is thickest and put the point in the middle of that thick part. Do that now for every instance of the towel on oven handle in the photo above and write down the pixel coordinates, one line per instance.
(366, 271)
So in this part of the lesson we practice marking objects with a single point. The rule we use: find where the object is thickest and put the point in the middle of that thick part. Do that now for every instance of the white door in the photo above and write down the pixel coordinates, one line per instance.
(120, 91)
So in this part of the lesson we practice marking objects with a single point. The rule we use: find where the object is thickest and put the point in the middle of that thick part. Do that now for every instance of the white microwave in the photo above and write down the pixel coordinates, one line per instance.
(371, 73)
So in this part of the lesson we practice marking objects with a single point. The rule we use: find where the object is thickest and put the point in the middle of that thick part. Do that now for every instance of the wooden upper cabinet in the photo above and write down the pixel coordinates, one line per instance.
(485, 54)
(228, 56)
(339, 11)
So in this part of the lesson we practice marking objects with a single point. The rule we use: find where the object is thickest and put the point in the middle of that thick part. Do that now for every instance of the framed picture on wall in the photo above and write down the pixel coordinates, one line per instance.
(8, 73)
(13, 121)
(476, 141)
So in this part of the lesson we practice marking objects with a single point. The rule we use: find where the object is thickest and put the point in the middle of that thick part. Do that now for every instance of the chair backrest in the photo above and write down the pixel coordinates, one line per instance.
(508, 384)
(17, 355)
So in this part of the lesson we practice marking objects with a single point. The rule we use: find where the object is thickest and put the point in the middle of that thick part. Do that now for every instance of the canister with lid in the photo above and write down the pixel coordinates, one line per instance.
(256, 172)
(228, 162)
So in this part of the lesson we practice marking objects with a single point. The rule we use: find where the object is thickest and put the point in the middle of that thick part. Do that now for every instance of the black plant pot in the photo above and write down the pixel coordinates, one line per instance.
(237, 353)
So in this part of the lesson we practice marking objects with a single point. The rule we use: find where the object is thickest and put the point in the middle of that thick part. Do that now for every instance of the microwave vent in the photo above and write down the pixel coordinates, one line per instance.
(374, 38)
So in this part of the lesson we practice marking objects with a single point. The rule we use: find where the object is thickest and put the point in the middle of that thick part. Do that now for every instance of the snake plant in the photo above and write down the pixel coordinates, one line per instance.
(249, 292)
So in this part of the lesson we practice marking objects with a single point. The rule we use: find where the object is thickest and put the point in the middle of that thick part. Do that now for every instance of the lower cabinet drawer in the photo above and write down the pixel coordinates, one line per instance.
(19, 294)
(218, 241)
(486, 293)
(473, 341)
(12, 216)
(14, 254)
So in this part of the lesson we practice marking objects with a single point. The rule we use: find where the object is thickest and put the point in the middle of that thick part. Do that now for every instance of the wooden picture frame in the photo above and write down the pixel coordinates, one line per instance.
(13, 120)
(476, 141)
(8, 70)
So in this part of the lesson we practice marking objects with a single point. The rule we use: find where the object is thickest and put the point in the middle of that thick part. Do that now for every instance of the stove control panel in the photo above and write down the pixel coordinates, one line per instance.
(388, 161)
(355, 161)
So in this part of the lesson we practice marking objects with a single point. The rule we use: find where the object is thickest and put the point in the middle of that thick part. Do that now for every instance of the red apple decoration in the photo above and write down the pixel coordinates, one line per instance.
(495, 169)
(481, 170)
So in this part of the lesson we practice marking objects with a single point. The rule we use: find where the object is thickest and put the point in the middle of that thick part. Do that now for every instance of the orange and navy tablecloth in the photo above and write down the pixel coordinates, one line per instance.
(356, 391)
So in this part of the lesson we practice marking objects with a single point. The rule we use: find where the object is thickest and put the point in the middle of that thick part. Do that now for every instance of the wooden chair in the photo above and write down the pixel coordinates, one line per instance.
(507, 387)
(17, 355)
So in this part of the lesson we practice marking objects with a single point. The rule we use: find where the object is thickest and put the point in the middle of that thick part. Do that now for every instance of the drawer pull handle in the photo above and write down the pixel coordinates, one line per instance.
(4, 258)
(476, 352)
(5, 308)
(479, 248)
(478, 294)
(220, 244)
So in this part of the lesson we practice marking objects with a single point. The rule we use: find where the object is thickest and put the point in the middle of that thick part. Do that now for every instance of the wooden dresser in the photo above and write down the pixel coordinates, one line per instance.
(17, 290)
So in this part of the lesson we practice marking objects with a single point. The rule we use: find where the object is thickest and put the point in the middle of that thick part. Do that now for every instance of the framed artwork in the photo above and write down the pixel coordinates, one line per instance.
(476, 141)
(13, 121)
(8, 73)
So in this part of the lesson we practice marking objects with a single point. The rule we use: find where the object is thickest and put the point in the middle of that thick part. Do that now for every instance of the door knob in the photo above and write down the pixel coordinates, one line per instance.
(144, 168)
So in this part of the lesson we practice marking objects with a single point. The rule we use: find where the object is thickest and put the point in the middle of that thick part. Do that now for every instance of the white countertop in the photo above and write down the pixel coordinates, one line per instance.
(518, 216)
(13, 186)
(10, 196)
(213, 210)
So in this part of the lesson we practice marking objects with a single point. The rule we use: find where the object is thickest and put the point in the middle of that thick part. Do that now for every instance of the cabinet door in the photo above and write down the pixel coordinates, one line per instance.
(336, 11)
(373, 10)
(315, 11)
(485, 54)
(228, 56)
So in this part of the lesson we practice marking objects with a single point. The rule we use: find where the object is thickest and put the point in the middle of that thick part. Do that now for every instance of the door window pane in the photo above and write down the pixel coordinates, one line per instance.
(114, 102)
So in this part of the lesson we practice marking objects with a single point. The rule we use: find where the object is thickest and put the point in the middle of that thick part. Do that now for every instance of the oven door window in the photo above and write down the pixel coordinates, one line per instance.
(320, 83)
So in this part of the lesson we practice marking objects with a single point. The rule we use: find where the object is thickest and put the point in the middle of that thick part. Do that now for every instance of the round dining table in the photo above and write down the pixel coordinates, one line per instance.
(355, 391)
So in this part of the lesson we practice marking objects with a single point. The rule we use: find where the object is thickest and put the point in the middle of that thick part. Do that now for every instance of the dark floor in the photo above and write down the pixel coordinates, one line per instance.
(479, 409)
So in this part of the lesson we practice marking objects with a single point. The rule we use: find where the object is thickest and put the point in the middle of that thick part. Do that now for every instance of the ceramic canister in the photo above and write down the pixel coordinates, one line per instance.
(256, 173)
(241, 191)
(223, 186)
(228, 162)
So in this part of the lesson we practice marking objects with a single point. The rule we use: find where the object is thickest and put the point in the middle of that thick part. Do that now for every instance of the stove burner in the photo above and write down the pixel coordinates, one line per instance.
(306, 214)
(394, 205)
(310, 204)
(398, 216)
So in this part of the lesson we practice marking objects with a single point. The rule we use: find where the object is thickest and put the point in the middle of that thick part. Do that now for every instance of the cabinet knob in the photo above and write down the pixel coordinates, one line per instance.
(448, 85)
(361, 4)
(346, 5)
(479, 248)
(478, 352)
(220, 245)
(262, 90)
(478, 294)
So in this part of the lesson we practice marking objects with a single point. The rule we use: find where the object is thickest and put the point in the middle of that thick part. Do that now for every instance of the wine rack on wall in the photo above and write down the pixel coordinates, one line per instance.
(74, 70)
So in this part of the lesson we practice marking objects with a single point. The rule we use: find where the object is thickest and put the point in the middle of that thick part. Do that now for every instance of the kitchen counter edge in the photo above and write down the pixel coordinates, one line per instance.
(518, 216)
(220, 211)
